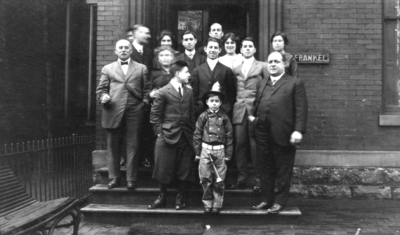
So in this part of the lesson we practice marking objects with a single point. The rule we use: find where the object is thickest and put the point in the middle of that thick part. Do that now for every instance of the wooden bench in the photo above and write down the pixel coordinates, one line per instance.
(21, 214)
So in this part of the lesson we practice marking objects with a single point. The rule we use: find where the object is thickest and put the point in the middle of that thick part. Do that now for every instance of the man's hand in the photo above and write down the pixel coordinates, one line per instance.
(252, 118)
(197, 158)
(296, 138)
(105, 99)
(153, 93)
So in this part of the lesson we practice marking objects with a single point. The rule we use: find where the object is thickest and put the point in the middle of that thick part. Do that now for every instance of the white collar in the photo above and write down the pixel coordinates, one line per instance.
(248, 61)
(191, 52)
(212, 62)
(277, 77)
(128, 60)
(175, 84)
(137, 46)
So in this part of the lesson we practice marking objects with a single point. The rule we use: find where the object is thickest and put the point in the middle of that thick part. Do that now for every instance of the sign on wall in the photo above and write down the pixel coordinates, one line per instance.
(312, 57)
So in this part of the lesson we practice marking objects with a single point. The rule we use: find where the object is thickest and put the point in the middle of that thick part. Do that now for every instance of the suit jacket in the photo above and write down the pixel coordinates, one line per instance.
(203, 79)
(172, 115)
(118, 86)
(146, 58)
(246, 89)
(287, 107)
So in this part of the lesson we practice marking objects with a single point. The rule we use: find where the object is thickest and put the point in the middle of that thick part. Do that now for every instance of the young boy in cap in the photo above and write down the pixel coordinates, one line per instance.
(213, 146)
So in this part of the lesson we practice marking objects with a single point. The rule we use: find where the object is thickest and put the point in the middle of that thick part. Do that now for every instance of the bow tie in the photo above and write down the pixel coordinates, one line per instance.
(124, 62)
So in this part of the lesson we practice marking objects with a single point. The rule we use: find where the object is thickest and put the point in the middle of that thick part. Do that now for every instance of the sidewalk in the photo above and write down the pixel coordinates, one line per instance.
(319, 216)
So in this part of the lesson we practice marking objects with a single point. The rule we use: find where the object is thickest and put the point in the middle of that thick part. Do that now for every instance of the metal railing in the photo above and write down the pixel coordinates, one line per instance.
(54, 168)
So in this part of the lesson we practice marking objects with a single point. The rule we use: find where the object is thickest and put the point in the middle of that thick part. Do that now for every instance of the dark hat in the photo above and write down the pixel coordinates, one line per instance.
(212, 93)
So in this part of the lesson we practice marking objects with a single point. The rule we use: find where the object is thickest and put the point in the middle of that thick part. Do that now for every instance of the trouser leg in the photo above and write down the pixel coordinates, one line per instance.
(219, 186)
(134, 120)
(284, 161)
(206, 179)
(114, 142)
(241, 149)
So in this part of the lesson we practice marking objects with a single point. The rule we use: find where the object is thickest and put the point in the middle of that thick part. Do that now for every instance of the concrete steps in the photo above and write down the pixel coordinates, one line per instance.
(121, 206)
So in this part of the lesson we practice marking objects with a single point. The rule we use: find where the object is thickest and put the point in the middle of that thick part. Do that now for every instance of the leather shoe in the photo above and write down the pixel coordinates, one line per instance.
(160, 202)
(276, 208)
(261, 206)
(180, 202)
(216, 210)
(207, 210)
(114, 183)
(131, 185)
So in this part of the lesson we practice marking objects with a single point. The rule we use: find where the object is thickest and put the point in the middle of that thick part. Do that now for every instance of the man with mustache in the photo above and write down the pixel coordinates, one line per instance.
(139, 36)
(123, 92)
(213, 73)
(279, 116)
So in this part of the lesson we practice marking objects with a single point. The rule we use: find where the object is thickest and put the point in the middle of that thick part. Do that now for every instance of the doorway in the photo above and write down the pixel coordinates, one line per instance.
(236, 16)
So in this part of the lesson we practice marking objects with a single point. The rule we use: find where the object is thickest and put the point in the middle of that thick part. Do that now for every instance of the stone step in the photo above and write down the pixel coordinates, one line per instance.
(127, 214)
(145, 176)
(144, 195)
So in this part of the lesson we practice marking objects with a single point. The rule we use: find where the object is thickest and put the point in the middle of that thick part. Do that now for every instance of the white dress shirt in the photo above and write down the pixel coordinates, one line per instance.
(190, 54)
(212, 63)
(275, 79)
(125, 66)
(247, 63)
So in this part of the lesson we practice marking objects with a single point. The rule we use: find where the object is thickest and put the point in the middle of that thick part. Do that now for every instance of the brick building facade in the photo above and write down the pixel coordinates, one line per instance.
(352, 145)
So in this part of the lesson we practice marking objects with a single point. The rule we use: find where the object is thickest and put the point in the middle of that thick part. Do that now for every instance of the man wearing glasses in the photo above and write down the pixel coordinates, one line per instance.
(280, 116)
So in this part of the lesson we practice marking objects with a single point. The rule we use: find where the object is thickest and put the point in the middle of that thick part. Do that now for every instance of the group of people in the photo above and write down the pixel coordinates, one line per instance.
(209, 105)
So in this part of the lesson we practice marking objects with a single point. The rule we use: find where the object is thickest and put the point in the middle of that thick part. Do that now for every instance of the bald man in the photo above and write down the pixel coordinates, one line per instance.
(123, 92)
(217, 32)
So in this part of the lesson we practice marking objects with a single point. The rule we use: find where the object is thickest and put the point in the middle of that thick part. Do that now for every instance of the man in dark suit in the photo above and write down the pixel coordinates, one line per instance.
(213, 73)
(247, 75)
(139, 36)
(172, 116)
(123, 92)
(280, 115)
(217, 32)
(190, 56)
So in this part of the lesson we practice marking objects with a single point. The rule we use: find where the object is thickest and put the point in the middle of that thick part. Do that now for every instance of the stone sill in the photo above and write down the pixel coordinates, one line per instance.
(389, 120)
(346, 159)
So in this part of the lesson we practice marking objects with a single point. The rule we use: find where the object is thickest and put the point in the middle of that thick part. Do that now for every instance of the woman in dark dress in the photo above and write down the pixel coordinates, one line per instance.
(279, 41)
(161, 76)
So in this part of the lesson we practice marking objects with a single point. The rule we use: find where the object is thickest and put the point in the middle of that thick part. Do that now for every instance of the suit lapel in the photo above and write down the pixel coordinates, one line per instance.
(206, 70)
(218, 69)
(131, 68)
(252, 68)
(173, 92)
(279, 83)
(136, 55)
(185, 92)
(263, 84)
(118, 70)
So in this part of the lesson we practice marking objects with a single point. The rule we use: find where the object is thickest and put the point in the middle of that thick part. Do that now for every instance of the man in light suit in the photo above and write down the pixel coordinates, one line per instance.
(123, 92)
(247, 75)
(280, 116)
(213, 73)
(172, 116)
(190, 56)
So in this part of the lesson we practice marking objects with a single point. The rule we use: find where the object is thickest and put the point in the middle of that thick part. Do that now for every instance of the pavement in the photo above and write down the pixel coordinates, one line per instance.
(319, 216)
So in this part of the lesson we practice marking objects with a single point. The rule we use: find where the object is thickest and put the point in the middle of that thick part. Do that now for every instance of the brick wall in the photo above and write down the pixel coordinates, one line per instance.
(345, 96)
(27, 63)
(110, 28)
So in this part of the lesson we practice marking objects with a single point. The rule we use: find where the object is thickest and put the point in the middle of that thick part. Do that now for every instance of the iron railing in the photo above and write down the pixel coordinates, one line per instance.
(54, 168)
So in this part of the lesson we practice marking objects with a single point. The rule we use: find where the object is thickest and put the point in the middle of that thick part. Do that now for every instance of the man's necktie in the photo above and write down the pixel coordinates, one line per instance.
(190, 55)
(124, 62)
(180, 91)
